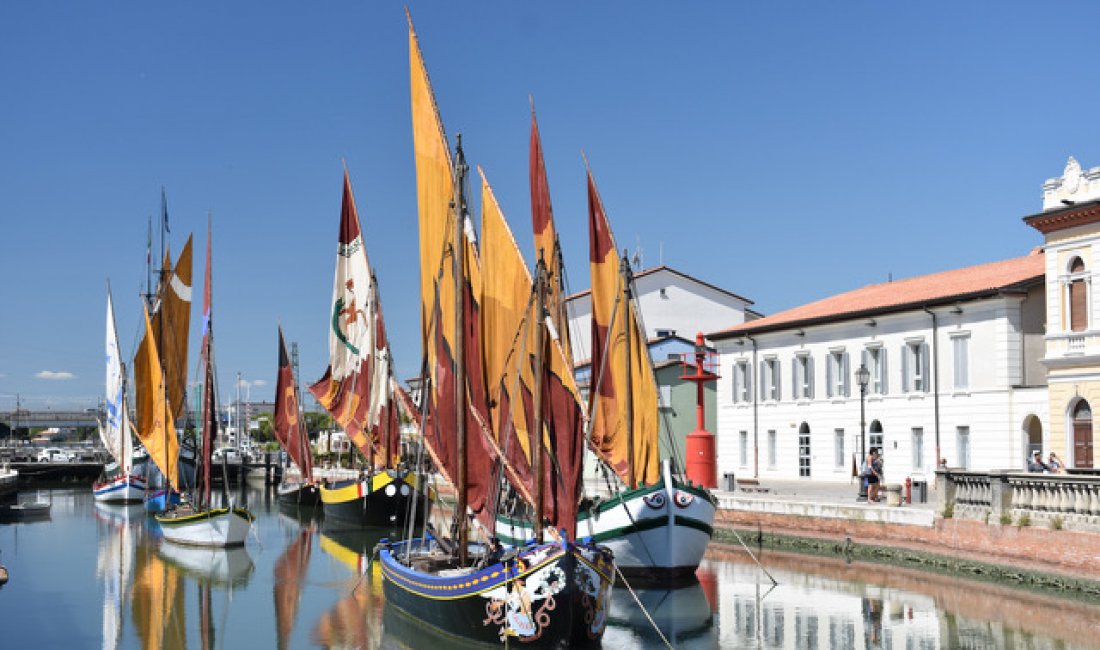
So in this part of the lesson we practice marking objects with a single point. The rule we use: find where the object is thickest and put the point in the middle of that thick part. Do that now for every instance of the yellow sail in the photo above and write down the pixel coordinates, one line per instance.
(156, 428)
(624, 390)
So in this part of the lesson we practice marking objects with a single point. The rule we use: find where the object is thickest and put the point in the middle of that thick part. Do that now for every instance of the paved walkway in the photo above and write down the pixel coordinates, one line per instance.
(832, 492)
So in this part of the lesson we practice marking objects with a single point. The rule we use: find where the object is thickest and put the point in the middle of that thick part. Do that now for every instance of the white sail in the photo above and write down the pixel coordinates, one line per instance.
(116, 433)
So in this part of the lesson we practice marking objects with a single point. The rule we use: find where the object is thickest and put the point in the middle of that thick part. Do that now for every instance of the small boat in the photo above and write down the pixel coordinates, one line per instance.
(298, 491)
(118, 483)
(196, 522)
(361, 393)
(25, 511)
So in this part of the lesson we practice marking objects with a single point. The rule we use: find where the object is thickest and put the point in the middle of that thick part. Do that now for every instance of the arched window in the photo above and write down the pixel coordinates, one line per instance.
(1078, 297)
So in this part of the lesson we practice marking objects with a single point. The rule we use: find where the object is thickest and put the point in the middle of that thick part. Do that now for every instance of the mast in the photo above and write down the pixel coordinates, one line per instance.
(624, 269)
(536, 430)
(458, 260)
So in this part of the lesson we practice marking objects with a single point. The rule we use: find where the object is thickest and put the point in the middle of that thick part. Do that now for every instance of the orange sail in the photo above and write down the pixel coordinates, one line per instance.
(624, 391)
(156, 429)
(450, 297)
(510, 335)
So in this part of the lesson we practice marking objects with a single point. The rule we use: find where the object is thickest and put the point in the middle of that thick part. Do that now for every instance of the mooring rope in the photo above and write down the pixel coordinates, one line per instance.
(642, 607)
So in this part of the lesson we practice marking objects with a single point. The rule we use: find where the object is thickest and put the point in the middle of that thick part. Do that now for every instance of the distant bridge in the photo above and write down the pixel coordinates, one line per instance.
(25, 418)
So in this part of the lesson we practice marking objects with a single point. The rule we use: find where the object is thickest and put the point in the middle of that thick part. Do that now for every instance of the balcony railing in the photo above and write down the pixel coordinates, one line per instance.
(1070, 501)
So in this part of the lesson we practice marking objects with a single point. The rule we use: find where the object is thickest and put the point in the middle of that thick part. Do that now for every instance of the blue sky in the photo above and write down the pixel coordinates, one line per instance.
(786, 151)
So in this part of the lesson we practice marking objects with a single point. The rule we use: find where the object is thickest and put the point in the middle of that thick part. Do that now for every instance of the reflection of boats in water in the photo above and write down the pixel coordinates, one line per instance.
(215, 566)
(290, 575)
(25, 511)
(683, 615)
(355, 620)
(117, 524)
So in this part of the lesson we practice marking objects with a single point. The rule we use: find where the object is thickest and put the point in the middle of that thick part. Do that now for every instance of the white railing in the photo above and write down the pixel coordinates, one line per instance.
(1070, 501)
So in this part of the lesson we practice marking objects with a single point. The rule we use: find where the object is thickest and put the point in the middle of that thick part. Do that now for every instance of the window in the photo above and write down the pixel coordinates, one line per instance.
(771, 448)
(914, 367)
(665, 395)
(769, 371)
(837, 376)
(802, 377)
(838, 448)
(875, 360)
(962, 442)
(744, 448)
(664, 334)
(960, 346)
(804, 456)
(742, 382)
(1078, 296)
(918, 448)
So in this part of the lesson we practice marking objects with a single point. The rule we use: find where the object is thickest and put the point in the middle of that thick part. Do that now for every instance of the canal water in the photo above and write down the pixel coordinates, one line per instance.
(95, 576)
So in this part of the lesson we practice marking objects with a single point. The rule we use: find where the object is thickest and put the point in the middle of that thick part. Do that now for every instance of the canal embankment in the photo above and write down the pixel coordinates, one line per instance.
(1050, 538)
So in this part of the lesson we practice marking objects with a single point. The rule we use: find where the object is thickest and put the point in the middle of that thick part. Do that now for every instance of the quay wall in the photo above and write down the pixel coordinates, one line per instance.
(1037, 549)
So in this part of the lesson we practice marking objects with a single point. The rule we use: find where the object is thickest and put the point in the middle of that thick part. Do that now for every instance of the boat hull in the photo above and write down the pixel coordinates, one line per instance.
(219, 527)
(298, 495)
(547, 596)
(381, 500)
(126, 488)
(160, 500)
(658, 533)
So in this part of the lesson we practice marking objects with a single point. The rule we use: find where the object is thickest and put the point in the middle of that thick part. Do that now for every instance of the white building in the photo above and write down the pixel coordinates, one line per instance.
(954, 363)
(672, 303)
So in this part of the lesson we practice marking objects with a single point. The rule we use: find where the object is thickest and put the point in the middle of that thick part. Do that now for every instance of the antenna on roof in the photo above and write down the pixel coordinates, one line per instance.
(636, 259)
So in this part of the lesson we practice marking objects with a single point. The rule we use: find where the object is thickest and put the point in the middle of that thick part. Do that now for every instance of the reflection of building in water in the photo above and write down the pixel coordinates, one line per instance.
(827, 603)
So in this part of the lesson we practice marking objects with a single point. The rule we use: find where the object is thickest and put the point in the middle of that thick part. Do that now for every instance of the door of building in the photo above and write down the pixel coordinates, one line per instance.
(1082, 435)
(804, 450)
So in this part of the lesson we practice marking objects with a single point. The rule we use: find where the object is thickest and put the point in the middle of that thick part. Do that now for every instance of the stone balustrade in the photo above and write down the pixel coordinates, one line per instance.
(1070, 501)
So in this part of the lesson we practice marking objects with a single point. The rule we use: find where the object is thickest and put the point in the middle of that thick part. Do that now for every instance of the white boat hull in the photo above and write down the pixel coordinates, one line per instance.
(220, 527)
(123, 489)
(660, 531)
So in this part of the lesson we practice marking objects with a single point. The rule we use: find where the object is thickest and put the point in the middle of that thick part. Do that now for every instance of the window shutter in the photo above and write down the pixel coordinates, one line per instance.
(905, 380)
(829, 375)
(777, 379)
(810, 376)
(736, 372)
(748, 384)
(847, 376)
(884, 371)
(1078, 304)
(795, 392)
(924, 369)
(764, 378)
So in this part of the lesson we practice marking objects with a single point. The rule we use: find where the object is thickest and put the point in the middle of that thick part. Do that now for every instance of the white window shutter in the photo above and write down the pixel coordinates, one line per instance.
(795, 393)
(847, 376)
(905, 380)
(924, 370)
(829, 375)
(810, 376)
(884, 369)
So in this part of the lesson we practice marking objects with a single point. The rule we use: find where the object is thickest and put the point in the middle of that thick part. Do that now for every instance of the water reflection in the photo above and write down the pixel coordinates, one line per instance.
(301, 584)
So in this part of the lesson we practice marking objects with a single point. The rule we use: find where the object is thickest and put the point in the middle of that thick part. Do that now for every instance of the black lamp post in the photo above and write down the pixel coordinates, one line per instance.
(863, 376)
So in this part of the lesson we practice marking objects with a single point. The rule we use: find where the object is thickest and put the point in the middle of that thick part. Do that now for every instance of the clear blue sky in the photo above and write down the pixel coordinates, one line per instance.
(786, 151)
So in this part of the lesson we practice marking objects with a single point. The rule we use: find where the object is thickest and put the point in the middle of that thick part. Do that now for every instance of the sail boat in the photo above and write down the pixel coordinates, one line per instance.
(169, 307)
(539, 594)
(657, 524)
(361, 393)
(290, 431)
(196, 522)
(118, 484)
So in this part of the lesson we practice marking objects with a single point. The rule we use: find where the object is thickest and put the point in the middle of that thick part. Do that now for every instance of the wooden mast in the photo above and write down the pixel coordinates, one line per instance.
(624, 270)
(536, 430)
(458, 262)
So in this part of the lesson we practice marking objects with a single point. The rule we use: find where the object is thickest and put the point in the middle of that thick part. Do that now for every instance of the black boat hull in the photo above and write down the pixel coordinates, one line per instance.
(385, 499)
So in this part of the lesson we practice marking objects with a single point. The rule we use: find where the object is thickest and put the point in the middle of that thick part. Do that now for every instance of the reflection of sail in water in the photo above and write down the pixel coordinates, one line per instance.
(355, 621)
(115, 563)
(157, 600)
(290, 573)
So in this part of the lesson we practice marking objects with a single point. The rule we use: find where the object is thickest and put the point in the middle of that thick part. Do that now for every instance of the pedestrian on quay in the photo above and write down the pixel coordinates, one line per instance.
(873, 474)
(1055, 464)
(1035, 464)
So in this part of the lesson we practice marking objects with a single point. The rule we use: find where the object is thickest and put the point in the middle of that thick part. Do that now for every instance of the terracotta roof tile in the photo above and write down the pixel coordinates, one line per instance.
(878, 298)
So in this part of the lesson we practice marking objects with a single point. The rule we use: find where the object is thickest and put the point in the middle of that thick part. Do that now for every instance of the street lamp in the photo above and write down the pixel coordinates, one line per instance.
(863, 376)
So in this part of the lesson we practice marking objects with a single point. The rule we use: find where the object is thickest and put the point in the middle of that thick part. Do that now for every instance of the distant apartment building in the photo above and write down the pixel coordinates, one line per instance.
(954, 373)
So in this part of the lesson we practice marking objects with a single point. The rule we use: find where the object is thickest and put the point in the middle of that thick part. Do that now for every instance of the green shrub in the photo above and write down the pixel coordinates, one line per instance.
(1023, 520)
(1006, 519)
(1056, 523)
(949, 511)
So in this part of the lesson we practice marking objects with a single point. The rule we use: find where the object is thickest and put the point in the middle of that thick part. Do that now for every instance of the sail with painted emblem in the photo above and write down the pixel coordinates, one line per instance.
(289, 426)
(357, 387)
(516, 340)
(450, 295)
(623, 388)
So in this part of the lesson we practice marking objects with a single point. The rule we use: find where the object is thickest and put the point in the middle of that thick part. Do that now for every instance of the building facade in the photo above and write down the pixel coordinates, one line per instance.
(954, 374)
(1070, 222)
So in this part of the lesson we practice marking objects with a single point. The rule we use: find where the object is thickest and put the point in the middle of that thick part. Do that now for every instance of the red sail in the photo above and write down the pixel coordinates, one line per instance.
(289, 428)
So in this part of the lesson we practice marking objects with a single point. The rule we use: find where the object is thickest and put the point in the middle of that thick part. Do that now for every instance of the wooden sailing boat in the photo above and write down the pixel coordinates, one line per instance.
(118, 484)
(539, 594)
(196, 522)
(290, 431)
(657, 524)
(361, 393)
